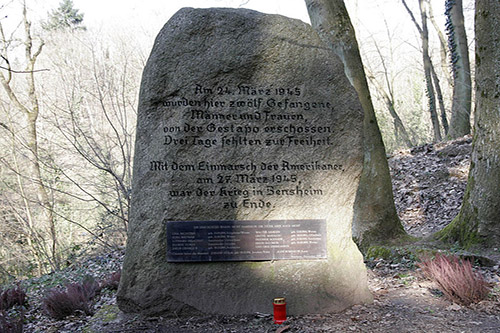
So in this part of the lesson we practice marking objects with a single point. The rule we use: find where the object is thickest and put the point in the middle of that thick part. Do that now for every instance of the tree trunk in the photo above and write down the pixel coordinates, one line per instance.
(442, 46)
(457, 41)
(43, 197)
(478, 222)
(444, 119)
(34, 243)
(375, 217)
(428, 73)
(399, 129)
(32, 139)
(424, 35)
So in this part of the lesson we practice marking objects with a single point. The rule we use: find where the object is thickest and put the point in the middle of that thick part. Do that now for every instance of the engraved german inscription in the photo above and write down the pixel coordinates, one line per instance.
(224, 118)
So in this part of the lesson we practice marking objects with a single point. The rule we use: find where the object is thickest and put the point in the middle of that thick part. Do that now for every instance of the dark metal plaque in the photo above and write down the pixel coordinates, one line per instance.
(189, 241)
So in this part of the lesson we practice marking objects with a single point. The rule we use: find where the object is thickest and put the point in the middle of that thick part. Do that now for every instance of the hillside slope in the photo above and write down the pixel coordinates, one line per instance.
(429, 183)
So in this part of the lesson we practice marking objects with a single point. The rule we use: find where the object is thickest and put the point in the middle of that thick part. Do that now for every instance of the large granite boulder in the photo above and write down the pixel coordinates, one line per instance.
(243, 116)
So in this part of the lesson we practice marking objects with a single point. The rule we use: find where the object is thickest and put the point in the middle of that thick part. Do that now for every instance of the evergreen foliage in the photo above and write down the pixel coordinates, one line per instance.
(450, 31)
(66, 17)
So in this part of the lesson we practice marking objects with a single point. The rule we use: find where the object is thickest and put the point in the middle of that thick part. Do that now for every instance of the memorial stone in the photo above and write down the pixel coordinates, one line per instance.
(247, 160)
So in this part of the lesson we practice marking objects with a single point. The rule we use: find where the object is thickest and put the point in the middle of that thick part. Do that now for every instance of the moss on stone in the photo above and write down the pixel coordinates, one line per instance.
(381, 252)
(108, 313)
(404, 254)
(105, 315)
(399, 239)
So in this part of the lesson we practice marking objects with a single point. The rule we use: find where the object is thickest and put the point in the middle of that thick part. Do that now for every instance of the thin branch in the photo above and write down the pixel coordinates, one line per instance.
(24, 72)
(412, 17)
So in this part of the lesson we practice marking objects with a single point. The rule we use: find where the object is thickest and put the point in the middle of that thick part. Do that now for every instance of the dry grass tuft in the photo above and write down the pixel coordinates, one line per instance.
(112, 281)
(456, 279)
(76, 297)
(12, 297)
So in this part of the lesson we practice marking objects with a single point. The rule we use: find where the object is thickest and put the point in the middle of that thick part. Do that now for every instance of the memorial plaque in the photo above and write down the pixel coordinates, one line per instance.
(245, 121)
(245, 240)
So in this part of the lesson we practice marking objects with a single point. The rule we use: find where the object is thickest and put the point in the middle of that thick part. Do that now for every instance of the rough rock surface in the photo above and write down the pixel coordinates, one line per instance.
(240, 89)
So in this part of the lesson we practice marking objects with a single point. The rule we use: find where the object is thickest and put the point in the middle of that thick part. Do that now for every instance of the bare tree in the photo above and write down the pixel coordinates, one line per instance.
(424, 32)
(439, 95)
(386, 90)
(17, 202)
(66, 158)
(93, 114)
(443, 45)
(433, 88)
(28, 104)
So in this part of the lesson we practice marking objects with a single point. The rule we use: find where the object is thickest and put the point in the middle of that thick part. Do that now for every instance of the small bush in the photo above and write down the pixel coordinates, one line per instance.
(12, 297)
(59, 304)
(112, 281)
(11, 325)
(456, 279)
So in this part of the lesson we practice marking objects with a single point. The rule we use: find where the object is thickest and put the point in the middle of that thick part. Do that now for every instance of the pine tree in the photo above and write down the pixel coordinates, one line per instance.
(66, 17)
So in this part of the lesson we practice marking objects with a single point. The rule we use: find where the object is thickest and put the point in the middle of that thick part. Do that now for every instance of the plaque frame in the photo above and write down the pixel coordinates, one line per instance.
(246, 240)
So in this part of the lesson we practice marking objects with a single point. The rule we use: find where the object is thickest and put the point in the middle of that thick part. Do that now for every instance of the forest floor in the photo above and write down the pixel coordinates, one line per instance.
(428, 181)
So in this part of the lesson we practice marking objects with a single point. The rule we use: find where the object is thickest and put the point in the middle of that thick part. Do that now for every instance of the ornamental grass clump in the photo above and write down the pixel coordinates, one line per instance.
(11, 297)
(59, 304)
(456, 279)
(112, 281)
(12, 321)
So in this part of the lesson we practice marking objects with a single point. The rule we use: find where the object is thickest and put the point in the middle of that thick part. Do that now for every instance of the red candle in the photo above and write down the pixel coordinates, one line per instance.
(279, 305)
